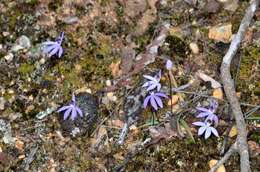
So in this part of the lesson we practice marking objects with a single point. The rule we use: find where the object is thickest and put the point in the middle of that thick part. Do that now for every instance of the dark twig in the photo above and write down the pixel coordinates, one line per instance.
(226, 137)
(240, 145)
(250, 112)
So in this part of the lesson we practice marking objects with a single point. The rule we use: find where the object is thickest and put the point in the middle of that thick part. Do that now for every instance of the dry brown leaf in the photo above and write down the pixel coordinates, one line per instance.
(254, 148)
(233, 131)
(248, 37)
(230, 5)
(19, 144)
(100, 141)
(21, 156)
(116, 123)
(174, 100)
(115, 69)
(238, 94)
(147, 17)
(220, 169)
(118, 156)
(206, 78)
(175, 108)
(176, 31)
(221, 33)
(218, 93)
(166, 132)
(128, 55)
(134, 8)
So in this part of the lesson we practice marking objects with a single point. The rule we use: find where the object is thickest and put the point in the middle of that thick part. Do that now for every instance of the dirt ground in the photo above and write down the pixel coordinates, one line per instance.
(108, 47)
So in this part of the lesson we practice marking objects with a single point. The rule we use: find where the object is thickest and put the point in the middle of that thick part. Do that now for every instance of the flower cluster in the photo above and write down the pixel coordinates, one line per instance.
(154, 98)
(54, 47)
(72, 109)
(210, 118)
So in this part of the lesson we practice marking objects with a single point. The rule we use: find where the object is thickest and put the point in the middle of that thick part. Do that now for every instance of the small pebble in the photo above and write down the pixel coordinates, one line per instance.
(30, 97)
(194, 48)
(21, 156)
(42, 61)
(78, 68)
(29, 109)
(10, 91)
(88, 90)
(9, 57)
(23, 42)
(111, 97)
(108, 83)
(5, 34)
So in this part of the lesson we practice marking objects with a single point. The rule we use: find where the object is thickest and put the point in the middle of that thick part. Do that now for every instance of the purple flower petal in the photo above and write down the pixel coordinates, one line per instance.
(214, 131)
(49, 43)
(159, 101)
(61, 37)
(161, 95)
(54, 47)
(153, 103)
(60, 52)
(208, 133)
(150, 78)
(73, 114)
(73, 97)
(63, 108)
(215, 119)
(169, 64)
(158, 87)
(202, 115)
(54, 51)
(146, 84)
(66, 114)
(202, 130)
(48, 48)
(151, 87)
(146, 100)
(79, 111)
(202, 109)
(199, 123)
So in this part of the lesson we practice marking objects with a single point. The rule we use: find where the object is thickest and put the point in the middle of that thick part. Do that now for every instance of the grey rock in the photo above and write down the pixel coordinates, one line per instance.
(71, 20)
(212, 6)
(2, 103)
(6, 132)
(22, 42)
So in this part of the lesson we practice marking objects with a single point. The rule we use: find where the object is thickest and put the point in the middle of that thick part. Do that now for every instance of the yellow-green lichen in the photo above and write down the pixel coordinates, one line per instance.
(26, 68)
(248, 80)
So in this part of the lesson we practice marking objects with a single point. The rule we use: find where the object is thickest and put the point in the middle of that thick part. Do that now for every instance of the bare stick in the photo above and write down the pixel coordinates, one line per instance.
(241, 141)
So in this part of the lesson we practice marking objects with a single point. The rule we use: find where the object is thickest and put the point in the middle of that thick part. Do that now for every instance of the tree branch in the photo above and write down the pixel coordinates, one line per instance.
(241, 141)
